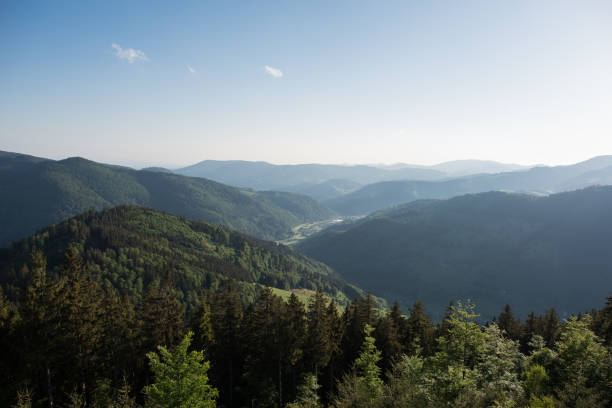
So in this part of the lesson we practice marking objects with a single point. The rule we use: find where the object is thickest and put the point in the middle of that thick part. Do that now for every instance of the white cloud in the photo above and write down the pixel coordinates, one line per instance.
(129, 54)
(191, 69)
(275, 72)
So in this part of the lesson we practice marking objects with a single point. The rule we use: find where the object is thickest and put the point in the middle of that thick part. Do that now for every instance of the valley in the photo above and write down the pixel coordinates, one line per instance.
(304, 231)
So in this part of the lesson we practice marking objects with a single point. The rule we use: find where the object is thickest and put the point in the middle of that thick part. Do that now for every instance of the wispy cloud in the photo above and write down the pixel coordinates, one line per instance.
(191, 69)
(129, 54)
(275, 72)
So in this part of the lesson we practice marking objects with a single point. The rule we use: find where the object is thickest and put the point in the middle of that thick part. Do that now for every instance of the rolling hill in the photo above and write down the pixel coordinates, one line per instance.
(131, 247)
(38, 192)
(495, 248)
(538, 180)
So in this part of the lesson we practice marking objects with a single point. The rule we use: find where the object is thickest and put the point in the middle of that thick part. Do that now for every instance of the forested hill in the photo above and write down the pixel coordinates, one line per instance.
(130, 247)
(38, 192)
(495, 248)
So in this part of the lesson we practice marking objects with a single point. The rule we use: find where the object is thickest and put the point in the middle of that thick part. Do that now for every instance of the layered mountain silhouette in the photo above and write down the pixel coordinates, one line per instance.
(537, 180)
(266, 176)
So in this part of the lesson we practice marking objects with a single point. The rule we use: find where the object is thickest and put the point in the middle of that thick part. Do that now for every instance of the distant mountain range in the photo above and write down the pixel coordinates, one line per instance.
(37, 192)
(324, 181)
(459, 168)
(537, 180)
(495, 248)
(266, 176)
(362, 189)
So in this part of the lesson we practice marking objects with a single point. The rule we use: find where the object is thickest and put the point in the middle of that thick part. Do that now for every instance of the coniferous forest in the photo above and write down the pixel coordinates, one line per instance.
(70, 339)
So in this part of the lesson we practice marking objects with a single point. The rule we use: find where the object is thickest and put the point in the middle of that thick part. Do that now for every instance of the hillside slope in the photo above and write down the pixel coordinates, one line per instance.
(326, 190)
(495, 248)
(36, 193)
(133, 246)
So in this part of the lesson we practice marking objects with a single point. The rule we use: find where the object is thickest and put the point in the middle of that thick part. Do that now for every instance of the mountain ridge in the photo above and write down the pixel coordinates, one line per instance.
(41, 192)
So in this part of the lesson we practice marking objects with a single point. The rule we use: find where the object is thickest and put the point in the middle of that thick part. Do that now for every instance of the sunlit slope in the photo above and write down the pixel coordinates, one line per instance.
(131, 247)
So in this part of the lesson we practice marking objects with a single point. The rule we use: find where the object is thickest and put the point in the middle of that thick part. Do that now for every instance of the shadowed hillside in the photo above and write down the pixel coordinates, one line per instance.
(38, 192)
(496, 248)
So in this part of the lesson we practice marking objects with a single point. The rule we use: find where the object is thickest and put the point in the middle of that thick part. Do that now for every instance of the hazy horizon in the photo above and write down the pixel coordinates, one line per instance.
(171, 166)
(156, 84)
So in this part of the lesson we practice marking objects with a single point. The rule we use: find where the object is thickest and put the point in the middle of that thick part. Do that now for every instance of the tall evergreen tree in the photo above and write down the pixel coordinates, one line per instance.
(389, 331)
(356, 316)
(201, 323)
(532, 326)
(294, 335)
(420, 331)
(161, 315)
(121, 339)
(508, 324)
(551, 327)
(318, 347)
(226, 350)
(261, 334)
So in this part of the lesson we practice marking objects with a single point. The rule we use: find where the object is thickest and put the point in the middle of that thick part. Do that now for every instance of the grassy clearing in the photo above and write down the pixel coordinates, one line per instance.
(303, 231)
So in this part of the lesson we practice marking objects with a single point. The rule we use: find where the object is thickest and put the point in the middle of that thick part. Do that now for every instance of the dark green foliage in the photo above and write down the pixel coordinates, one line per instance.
(496, 248)
(390, 331)
(602, 322)
(131, 247)
(420, 331)
(226, 347)
(509, 324)
(75, 334)
(161, 316)
(78, 343)
(38, 192)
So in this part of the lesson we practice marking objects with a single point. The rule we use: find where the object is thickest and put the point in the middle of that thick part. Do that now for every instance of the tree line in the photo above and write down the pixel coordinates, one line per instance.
(71, 340)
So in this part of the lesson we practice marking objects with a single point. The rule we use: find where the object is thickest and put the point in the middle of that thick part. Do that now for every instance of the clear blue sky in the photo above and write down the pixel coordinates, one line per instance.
(172, 83)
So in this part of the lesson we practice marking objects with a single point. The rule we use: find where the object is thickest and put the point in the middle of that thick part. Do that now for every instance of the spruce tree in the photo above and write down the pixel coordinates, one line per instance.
(388, 336)
(318, 345)
(161, 315)
(508, 324)
(227, 347)
(420, 331)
